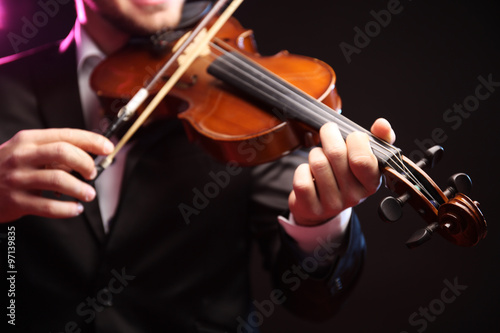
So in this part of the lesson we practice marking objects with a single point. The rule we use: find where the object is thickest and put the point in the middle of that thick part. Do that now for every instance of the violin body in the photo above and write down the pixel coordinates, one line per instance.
(230, 126)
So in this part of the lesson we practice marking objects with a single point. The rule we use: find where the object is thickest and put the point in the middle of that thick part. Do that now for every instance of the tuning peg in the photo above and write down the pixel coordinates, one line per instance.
(458, 183)
(390, 208)
(432, 156)
(422, 235)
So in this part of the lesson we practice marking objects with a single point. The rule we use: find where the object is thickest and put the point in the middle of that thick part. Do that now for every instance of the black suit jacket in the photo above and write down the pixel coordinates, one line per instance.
(153, 269)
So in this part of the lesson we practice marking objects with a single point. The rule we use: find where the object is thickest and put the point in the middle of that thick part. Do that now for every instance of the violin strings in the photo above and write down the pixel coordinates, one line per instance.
(325, 113)
(181, 48)
(127, 111)
(349, 126)
(320, 116)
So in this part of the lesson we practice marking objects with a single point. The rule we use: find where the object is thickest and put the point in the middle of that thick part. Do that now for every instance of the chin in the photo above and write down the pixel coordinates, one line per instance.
(149, 24)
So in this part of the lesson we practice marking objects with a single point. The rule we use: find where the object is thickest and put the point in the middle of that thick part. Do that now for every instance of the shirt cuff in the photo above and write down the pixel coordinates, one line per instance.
(309, 238)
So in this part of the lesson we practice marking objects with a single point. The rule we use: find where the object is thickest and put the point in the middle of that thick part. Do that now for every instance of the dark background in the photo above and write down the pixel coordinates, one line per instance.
(425, 60)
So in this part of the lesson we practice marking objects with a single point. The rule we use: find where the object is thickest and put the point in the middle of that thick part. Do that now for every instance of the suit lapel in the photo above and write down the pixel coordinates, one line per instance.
(57, 90)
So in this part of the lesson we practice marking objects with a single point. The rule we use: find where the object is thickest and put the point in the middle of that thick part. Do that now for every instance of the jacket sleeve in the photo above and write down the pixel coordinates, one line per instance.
(313, 285)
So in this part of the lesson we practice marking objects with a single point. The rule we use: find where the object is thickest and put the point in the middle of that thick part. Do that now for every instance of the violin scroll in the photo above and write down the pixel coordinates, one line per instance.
(461, 221)
(451, 213)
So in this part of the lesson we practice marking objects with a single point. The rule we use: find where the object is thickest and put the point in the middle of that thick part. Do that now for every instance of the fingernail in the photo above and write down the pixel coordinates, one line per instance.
(89, 194)
(79, 208)
(393, 136)
(93, 174)
(108, 147)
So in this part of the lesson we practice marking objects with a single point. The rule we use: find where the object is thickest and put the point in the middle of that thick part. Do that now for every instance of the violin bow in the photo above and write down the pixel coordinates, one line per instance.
(189, 55)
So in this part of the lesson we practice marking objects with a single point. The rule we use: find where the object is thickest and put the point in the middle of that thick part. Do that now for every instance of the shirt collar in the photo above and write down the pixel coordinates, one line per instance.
(85, 46)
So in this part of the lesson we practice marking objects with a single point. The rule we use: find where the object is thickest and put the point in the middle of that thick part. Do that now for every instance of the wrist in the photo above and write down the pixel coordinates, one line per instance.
(309, 237)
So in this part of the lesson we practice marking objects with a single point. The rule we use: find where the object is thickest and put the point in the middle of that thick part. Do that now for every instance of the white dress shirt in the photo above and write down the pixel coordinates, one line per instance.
(109, 182)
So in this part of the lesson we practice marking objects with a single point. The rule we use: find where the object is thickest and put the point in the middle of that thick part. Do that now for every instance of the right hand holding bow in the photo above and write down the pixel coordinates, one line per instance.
(42, 160)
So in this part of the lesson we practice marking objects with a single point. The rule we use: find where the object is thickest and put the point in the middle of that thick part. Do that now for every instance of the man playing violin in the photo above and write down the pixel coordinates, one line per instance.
(120, 257)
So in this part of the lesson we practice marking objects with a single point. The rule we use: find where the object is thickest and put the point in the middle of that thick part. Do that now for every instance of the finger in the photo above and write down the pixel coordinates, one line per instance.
(61, 155)
(325, 181)
(382, 129)
(334, 148)
(303, 196)
(53, 180)
(58, 166)
(362, 162)
(32, 204)
(88, 141)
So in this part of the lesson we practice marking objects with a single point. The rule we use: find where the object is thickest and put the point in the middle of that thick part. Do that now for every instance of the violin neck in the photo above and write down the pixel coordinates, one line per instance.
(287, 101)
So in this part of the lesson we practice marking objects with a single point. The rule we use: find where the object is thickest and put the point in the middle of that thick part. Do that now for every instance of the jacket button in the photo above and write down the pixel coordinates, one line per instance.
(338, 284)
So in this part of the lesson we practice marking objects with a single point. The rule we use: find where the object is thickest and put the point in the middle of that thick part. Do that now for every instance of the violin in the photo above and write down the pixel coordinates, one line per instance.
(244, 107)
